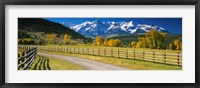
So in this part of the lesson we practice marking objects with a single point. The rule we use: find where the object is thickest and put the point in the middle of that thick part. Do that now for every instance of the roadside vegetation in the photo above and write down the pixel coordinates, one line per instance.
(51, 63)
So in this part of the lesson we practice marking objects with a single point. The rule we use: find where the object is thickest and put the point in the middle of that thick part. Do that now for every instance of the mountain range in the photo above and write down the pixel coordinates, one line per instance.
(112, 28)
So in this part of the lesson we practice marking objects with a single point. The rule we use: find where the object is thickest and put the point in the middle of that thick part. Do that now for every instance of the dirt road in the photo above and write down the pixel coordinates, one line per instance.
(89, 64)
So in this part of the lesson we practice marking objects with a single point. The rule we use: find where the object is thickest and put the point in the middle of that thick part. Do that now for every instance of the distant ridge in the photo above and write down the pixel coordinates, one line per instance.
(46, 26)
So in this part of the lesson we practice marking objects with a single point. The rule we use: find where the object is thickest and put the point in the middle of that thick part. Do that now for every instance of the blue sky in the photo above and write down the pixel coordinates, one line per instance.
(174, 25)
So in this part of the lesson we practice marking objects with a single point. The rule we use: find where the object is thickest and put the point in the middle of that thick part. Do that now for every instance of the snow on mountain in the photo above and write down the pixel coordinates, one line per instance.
(67, 24)
(106, 29)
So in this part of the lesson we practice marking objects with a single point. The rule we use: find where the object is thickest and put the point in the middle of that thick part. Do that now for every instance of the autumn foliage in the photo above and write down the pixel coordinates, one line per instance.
(50, 38)
(66, 39)
(156, 40)
(105, 42)
(176, 45)
(99, 40)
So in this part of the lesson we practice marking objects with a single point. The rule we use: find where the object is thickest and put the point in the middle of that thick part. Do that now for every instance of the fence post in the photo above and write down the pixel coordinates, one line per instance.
(88, 51)
(104, 52)
(178, 59)
(83, 50)
(93, 51)
(19, 61)
(143, 55)
(164, 57)
(99, 51)
(126, 54)
(78, 50)
(74, 50)
(23, 54)
(111, 52)
(153, 56)
(133, 54)
(118, 52)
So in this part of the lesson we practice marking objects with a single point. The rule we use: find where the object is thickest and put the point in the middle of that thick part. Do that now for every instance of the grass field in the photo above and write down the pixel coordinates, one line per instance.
(51, 63)
(127, 63)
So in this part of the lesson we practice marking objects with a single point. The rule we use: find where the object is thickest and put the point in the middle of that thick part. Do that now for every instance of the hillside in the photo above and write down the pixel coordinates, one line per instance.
(42, 25)
(34, 31)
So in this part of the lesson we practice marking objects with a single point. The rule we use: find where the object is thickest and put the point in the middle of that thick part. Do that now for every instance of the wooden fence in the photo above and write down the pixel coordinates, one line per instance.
(156, 57)
(165, 58)
(26, 57)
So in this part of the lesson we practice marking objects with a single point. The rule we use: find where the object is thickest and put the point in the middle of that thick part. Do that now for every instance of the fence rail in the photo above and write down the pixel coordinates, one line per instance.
(26, 57)
(156, 57)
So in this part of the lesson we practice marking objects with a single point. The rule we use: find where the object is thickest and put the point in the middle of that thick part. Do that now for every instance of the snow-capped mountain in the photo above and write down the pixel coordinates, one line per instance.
(67, 24)
(107, 29)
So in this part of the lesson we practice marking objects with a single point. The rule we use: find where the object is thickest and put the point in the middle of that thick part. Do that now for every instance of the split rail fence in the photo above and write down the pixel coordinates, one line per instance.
(156, 57)
(164, 58)
(26, 57)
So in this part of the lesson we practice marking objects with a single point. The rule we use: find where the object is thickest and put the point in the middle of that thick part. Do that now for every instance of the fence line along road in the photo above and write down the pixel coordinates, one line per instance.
(26, 57)
(163, 58)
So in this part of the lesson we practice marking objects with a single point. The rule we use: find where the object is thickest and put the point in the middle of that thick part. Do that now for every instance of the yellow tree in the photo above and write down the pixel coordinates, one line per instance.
(98, 40)
(66, 39)
(111, 42)
(178, 44)
(133, 44)
(172, 46)
(50, 38)
(139, 45)
(142, 42)
(155, 39)
(105, 43)
(117, 42)
(114, 42)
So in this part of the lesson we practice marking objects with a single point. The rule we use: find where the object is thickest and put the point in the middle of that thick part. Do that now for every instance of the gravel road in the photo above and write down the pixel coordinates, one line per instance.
(89, 64)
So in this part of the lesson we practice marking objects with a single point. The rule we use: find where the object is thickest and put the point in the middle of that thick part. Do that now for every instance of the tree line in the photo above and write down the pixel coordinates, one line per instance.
(153, 39)
(156, 40)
